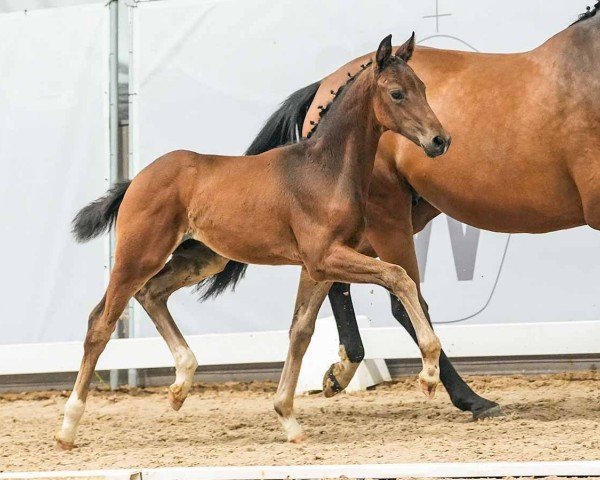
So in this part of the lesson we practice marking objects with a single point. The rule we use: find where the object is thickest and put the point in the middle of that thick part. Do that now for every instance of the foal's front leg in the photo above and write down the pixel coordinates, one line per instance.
(343, 264)
(310, 297)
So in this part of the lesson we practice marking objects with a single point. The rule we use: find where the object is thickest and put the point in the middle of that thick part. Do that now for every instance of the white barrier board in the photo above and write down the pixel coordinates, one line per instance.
(556, 338)
(301, 472)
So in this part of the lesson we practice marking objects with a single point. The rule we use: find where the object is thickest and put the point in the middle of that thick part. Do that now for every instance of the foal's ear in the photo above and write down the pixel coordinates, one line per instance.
(405, 51)
(384, 52)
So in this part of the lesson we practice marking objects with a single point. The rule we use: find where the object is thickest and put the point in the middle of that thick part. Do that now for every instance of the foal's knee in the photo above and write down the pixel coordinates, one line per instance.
(317, 271)
(402, 283)
(321, 266)
(301, 336)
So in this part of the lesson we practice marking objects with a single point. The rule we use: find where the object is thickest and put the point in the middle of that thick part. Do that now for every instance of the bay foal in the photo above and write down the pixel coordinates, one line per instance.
(303, 204)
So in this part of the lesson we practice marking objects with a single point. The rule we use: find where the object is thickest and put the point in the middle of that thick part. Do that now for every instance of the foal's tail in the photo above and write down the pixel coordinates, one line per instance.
(97, 217)
(283, 126)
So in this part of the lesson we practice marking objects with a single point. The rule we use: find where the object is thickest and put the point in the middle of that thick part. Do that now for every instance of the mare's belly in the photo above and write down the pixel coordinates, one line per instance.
(530, 203)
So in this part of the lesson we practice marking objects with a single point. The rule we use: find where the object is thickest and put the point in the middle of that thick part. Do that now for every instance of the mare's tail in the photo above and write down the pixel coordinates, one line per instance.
(283, 126)
(97, 217)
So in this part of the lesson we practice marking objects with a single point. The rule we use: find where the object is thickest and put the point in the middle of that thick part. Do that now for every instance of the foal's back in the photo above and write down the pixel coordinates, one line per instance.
(222, 201)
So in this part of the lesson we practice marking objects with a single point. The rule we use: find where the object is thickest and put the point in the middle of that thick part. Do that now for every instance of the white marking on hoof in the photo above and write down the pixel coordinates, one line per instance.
(73, 411)
(293, 430)
(428, 381)
(62, 445)
(185, 367)
(343, 371)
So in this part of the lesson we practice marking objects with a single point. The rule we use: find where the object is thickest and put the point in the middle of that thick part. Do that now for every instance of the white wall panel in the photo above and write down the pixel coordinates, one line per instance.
(54, 159)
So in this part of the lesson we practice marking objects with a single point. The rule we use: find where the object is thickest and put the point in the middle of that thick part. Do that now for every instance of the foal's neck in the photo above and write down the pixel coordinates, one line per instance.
(347, 136)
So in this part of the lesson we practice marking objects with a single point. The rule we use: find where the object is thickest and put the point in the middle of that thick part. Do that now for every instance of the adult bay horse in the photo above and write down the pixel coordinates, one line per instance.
(302, 204)
(534, 168)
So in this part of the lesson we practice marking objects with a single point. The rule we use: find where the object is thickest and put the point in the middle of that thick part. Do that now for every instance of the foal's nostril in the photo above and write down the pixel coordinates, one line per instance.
(439, 141)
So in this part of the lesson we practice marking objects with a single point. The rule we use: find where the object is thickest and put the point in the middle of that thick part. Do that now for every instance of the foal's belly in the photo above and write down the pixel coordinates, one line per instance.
(246, 238)
(254, 251)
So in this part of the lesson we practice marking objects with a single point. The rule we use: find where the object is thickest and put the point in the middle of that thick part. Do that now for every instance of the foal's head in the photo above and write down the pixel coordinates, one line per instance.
(400, 103)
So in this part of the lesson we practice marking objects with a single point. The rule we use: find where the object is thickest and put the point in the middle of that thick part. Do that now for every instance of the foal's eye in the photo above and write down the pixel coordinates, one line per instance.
(397, 95)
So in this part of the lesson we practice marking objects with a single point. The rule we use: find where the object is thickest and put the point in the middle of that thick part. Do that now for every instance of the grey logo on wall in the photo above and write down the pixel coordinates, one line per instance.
(464, 245)
(464, 242)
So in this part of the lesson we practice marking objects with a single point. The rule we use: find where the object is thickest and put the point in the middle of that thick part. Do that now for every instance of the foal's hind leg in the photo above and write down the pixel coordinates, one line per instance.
(308, 302)
(140, 255)
(192, 262)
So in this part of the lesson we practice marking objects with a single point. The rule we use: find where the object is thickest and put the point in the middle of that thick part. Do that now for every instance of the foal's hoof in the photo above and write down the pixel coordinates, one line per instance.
(428, 385)
(493, 412)
(63, 445)
(302, 438)
(331, 386)
(175, 398)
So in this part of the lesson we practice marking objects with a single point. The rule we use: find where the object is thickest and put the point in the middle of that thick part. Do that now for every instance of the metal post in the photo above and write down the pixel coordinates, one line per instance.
(113, 98)
(132, 374)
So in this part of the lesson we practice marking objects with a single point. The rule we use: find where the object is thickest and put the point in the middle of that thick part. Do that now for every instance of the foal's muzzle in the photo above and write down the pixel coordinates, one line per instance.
(437, 146)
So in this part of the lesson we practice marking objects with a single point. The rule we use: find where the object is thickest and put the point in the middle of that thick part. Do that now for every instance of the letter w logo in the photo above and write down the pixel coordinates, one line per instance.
(464, 241)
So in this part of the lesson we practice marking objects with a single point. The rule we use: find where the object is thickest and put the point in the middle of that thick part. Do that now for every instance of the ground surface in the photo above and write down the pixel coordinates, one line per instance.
(548, 418)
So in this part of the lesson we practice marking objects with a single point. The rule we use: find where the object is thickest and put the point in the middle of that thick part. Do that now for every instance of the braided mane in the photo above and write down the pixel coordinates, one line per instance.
(589, 13)
(323, 109)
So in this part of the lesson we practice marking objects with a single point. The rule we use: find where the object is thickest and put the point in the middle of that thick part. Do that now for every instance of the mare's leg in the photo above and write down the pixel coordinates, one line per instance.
(399, 249)
(308, 302)
(352, 351)
(344, 264)
(192, 262)
(141, 253)
(461, 395)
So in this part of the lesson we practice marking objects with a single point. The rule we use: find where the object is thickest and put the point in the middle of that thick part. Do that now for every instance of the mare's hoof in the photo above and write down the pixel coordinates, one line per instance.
(302, 438)
(331, 386)
(175, 399)
(63, 445)
(493, 412)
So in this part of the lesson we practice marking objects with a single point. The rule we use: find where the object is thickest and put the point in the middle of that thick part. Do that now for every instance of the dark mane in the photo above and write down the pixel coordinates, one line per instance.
(589, 13)
(324, 109)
